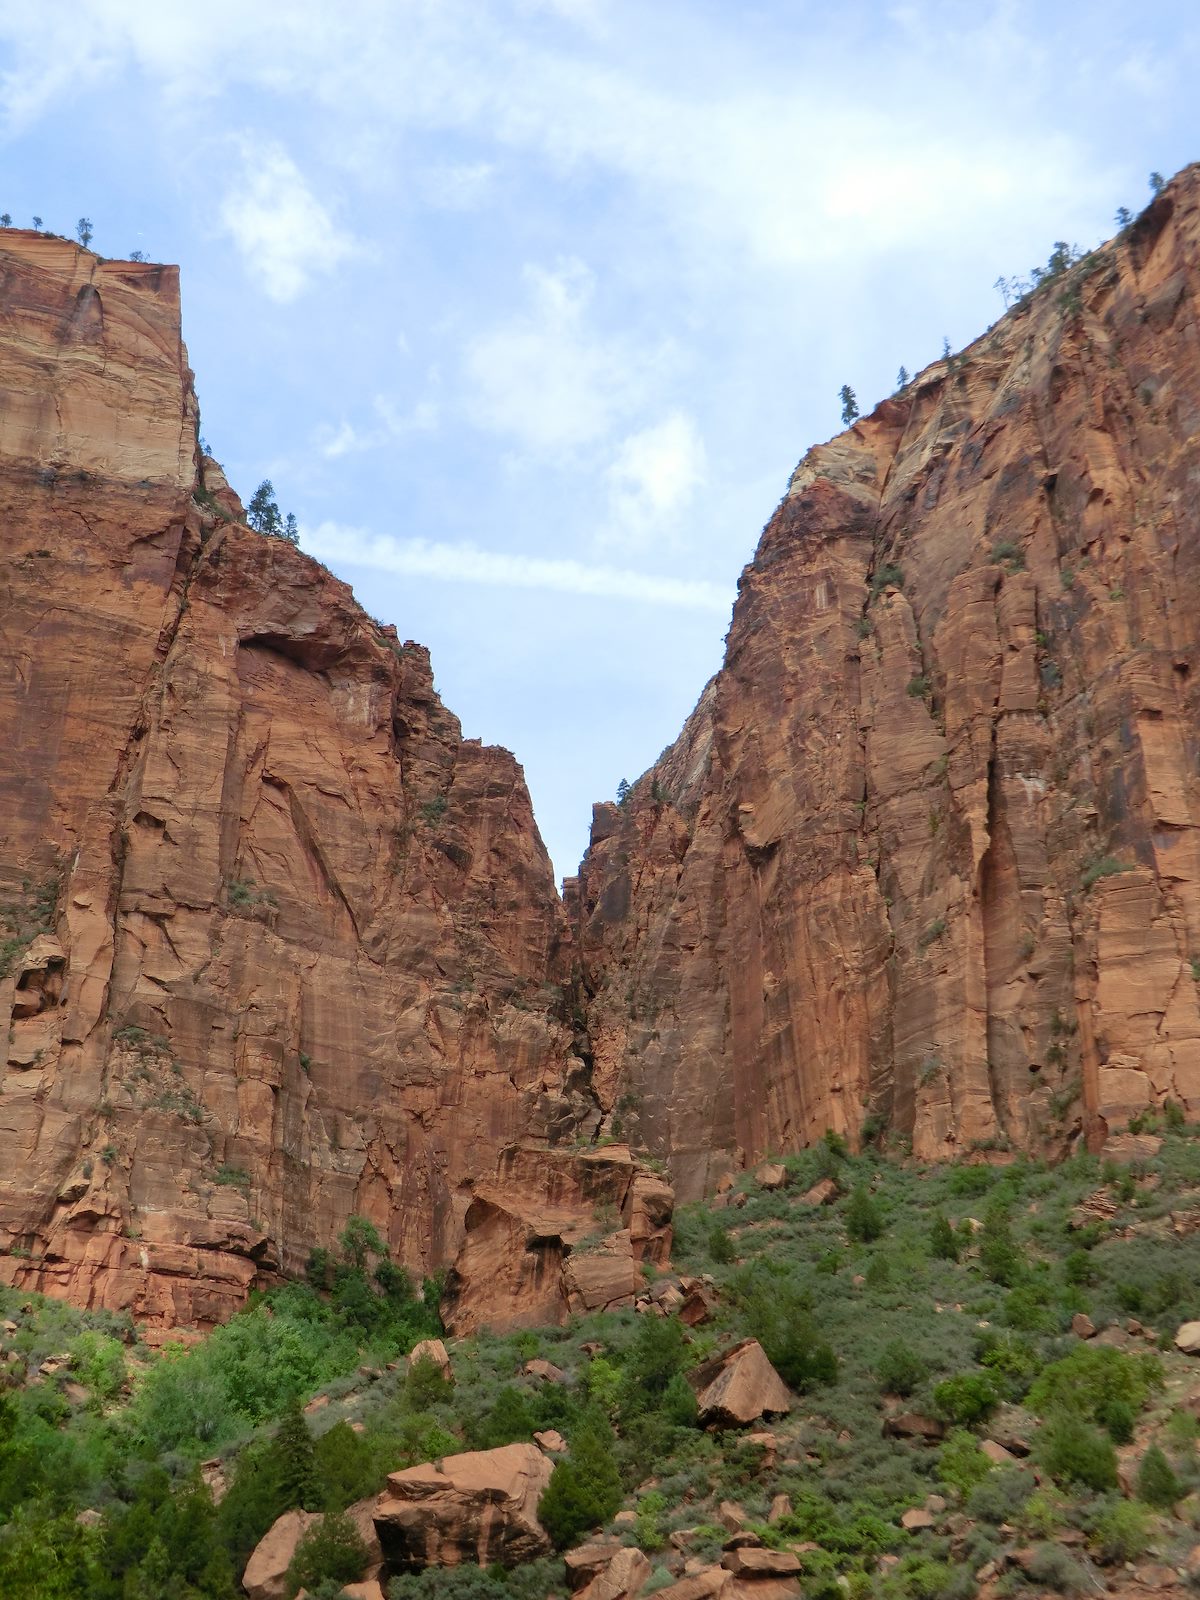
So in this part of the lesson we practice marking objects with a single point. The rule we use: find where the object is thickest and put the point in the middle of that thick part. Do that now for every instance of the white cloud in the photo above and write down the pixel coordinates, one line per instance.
(655, 474)
(345, 439)
(284, 233)
(466, 563)
(544, 378)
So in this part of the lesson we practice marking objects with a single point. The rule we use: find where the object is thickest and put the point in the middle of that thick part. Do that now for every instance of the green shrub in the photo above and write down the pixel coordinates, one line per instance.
(966, 1399)
(585, 1488)
(331, 1549)
(1121, 1531)
(944, 1243)
(1073, 1452)
(1092, 1377)
(961, 1463)
(900, 1369)
(1157, 1484)
(999, 1256)
(1055, 1568)
(864, 1218)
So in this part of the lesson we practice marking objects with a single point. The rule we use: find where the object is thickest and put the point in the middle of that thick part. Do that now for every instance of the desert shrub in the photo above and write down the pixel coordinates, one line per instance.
(425, 1385)
(1011, 1360)
(1121, 1531)
(967, 1398)
(777, 1311)
(1073, 1452)
(648, 1528)
(346, 1467)
(1055, 1568)
(1092, 1378)
(961, 1463)
(899, 1369)
(509, 1420)
(1001, 1496)
(999, 1255)
(1157, 1484)
(98, 1361)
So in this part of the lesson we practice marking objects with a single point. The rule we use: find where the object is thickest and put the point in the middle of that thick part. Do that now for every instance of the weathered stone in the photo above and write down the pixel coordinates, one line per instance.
(432, 1350)
(551, 1440)
(781, 1506)
(621, 1579)
(912, 1425)
(754, 1561)
(1187, 1338)
(479, 1507)
(957, 691)
(266, 1571)
(916, 1519)
(996, 1453)
(770, 1175)
(1082, 1326)
(739, 1387)
(823, 1193)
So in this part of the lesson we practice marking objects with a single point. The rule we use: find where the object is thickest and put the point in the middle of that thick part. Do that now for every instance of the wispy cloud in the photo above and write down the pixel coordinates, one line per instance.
(346, 439)
(466, 563)
(653, 477)
(283, 232)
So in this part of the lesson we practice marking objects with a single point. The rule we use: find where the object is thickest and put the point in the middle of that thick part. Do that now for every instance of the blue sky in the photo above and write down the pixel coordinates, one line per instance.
(528, 309)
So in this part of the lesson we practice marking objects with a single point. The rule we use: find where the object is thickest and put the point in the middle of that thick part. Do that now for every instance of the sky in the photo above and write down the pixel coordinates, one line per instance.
(528, 308)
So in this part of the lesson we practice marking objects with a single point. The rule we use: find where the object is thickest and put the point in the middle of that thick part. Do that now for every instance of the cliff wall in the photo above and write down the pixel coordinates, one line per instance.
(278, 945)
(875, 882)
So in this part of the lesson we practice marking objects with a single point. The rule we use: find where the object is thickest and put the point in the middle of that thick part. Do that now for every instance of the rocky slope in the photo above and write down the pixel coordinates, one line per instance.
(280, 945)
(876, 876)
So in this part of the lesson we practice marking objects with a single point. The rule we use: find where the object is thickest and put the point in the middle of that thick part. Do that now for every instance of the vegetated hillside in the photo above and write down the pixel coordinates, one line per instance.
(988, 1346)
(279, 946)
(926, 852)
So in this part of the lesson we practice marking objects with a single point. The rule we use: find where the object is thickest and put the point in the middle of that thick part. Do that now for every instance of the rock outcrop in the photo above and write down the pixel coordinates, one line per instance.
(926, 852)
(739, 1387)
(478, 1507)
(280, 945)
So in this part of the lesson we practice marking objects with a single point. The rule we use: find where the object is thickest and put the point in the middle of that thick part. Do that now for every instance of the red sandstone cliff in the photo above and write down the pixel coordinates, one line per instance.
(872, 877)
(278, 944)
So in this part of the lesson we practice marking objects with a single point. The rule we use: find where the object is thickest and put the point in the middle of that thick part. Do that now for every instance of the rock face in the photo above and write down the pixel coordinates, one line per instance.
(927, 849)
(279, 945)
(739, 1387)
(477, 1507)
(556, 1233)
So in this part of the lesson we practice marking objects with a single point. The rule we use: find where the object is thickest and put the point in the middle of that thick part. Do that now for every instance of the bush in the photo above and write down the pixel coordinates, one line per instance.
(998, 1253)
(1094, 1377)
(1073, 1452)
(1157, 1484)
(332, 1549)
(899, 1368)
(1055, 1568)
(944, 1243)
(961, 1463)
(1121, 1532)
(966, 1399)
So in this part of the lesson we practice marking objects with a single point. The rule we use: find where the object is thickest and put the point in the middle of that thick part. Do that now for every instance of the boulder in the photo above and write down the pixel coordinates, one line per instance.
(996, 1453)
(917, 1519)
(480, 1506)
(621, 1579)
(771, 1175)
(545, 1370)
(739, 1387)
(266, 1571)
(1082, 1326)
(432, 1350)
(698, 1305)
(781, 1506)
(823, 1193)
(912, 1425)
(754, 1561)
(551, 1441)
(1187, 1339)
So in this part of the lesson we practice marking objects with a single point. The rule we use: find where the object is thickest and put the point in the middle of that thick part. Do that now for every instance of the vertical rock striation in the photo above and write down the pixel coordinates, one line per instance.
(926, 853)
(279, 945)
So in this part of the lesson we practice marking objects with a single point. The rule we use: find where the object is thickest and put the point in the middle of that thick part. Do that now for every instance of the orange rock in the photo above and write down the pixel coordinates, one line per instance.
(960, 684)
(266, 1571)
(479, 1507)
(739, 1387)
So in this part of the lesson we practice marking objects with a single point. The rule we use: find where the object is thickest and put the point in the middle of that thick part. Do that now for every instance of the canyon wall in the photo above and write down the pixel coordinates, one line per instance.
(925, 857)
(278, 945)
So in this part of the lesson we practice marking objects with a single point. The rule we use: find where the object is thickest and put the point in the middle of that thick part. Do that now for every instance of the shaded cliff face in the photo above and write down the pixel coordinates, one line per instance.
(278, 944)
(874, 876)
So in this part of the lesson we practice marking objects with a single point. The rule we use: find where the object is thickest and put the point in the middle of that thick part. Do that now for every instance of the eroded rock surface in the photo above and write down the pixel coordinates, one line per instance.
(280, 945)
(478, 1507)
(877, 874)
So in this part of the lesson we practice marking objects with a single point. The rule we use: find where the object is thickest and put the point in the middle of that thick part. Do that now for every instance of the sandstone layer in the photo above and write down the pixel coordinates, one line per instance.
(280, 945)
(925, 857)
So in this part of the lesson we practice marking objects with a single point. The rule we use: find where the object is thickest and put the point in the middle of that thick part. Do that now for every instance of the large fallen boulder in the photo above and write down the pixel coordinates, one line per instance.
(479, 1507)
(265, 1577)
(739, 1387)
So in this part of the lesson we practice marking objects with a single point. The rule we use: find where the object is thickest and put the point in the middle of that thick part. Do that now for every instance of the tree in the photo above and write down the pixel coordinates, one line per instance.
(624, 790)
(1157, 1484)
(946, 350)
(291, 531)
(585, 1489)
(1124, 216)
(263, 511)
(83, 229)
(297, 1460)
(5, 220)
(1157, 183)
(333, 1548)
(864, 1220)
(360, 1239)
(37, 223)
(902, 379)
(137, 255)
(849, 405)
(943, 1241)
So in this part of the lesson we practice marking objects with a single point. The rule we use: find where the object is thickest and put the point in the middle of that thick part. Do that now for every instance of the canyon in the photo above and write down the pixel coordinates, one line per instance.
(281, 947)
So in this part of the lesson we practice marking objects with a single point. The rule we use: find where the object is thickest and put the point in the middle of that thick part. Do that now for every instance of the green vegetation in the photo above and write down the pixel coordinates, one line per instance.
(262, 514)
(945, 1292)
